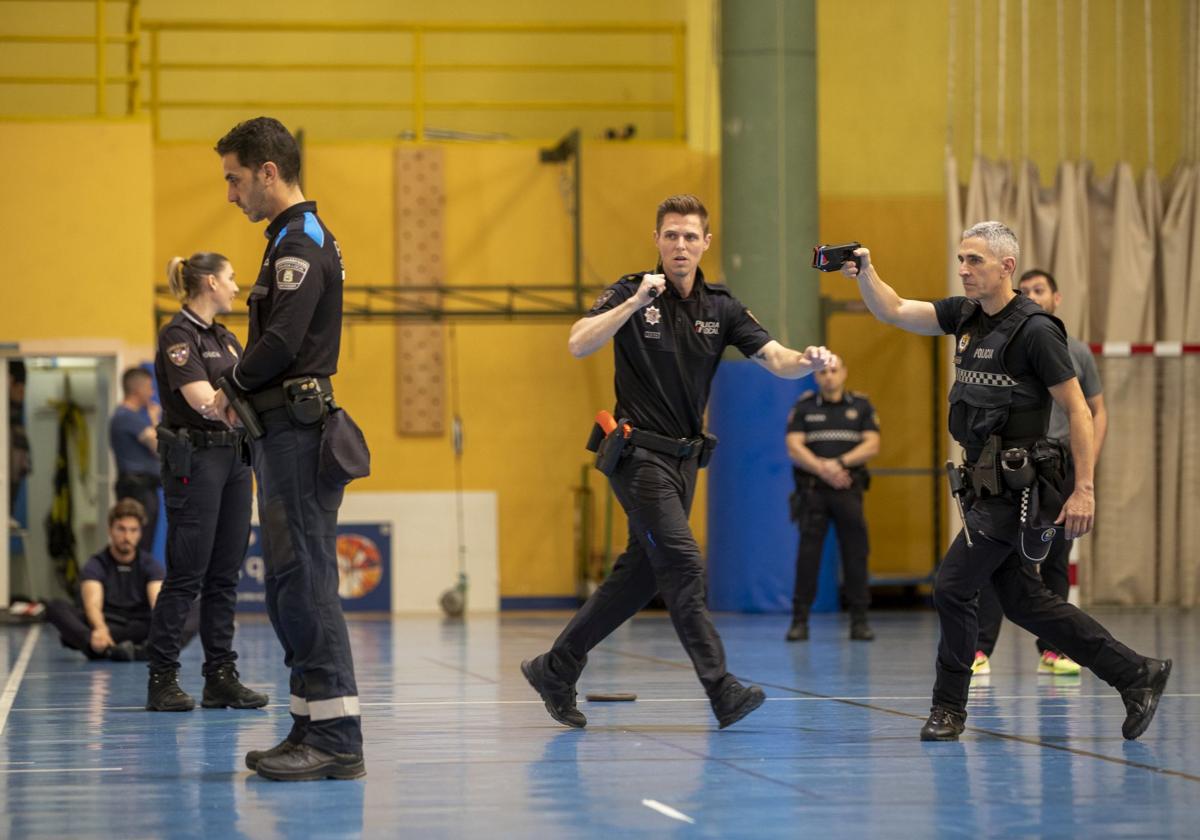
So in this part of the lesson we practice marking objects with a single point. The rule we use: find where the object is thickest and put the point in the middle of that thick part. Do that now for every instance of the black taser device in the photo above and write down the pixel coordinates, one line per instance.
(833, 257)
(242, 408)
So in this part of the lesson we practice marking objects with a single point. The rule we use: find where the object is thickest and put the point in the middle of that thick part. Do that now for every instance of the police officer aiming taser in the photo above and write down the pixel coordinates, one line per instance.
(292, 351)
(1011, 362)
(669, 328)
(831, 435)
(206, 484)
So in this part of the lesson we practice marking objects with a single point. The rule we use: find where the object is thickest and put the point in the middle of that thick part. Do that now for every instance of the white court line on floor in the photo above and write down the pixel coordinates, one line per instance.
(63, 770)
(667, 811)
(16, 674)
(535, 702)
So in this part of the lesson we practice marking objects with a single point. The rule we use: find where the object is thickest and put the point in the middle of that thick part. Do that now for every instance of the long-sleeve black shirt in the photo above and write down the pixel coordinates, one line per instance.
(296, 304)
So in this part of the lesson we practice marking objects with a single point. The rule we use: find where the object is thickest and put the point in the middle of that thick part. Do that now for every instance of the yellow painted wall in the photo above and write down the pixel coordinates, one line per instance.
(78, 231)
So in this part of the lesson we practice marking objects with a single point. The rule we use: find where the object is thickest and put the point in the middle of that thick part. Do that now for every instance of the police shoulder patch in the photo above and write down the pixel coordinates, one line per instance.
(808, 395)
(289, 273)
(603, 298)
(178, 354)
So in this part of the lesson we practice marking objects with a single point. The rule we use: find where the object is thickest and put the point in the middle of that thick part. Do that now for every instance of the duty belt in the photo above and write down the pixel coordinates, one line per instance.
(205, 438)
(273, 398)
(685, 448)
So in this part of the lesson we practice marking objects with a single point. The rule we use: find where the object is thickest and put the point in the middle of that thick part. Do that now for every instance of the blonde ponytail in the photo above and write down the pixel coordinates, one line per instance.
(175, 277)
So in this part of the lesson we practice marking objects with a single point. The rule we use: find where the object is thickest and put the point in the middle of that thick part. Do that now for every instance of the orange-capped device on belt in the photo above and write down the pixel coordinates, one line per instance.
(607, 422)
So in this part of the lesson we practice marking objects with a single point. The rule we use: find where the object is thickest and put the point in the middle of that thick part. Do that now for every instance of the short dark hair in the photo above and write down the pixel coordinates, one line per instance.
(260, 140)
(1034, 273)
(131, 377)
(126, 508)
(683, 204)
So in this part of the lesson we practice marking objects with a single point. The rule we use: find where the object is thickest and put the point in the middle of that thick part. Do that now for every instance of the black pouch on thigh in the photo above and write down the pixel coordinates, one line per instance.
(707, 449)
(344, 457)
(1051, 487)
(175, 454)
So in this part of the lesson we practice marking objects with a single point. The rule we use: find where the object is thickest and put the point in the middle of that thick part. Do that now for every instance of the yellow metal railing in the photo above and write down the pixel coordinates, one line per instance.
(99, 41)
(418, 100)
(160, 53)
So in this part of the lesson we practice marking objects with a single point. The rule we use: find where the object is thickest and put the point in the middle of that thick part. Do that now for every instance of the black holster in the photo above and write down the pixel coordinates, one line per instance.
(611, 447)
(306, 403)
(174, 452)
(706, 450)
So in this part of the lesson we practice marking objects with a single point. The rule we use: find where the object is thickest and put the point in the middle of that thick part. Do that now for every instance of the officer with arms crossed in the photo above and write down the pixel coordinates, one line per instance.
(831, 434)
(206, 484)
(669, 329)
(1040, 287)
(1011, 360)
(292, 350)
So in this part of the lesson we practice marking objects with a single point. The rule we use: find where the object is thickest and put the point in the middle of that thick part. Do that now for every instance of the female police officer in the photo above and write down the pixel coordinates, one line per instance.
(206, 484)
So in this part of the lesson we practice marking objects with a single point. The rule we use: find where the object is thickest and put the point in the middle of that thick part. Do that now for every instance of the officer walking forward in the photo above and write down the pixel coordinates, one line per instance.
(1011, 360)
(831, 435)
(1041, 287)
(295, 333)
(206, 484)
(669, 329)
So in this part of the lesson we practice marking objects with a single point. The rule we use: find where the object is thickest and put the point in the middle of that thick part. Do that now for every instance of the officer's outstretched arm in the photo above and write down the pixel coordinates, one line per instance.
(916, 316)
(790, 364)
(591, 332)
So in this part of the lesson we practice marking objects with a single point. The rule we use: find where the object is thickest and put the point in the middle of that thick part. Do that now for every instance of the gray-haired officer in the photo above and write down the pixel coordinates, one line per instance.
(1041, 287)
(831, 435)
(1011, 360)
(292, 350)
(669, 329)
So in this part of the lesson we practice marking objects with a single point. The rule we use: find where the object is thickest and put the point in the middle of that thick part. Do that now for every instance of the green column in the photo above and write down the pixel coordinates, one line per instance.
(769, 163)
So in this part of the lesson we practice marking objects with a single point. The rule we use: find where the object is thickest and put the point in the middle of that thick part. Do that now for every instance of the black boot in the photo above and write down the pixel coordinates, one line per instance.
(943, 724)
(1141, 698)
(255, 756)
(223, 689)
(306, 763)
(735, 702)
(798, 632)
(558, 696)
(860, 630)
(164, 694)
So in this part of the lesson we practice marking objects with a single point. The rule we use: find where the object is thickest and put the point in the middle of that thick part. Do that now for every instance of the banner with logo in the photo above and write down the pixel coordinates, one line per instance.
(364, 552)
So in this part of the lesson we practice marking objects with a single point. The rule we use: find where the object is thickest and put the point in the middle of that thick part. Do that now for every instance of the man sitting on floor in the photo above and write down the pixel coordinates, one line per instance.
(119, 586)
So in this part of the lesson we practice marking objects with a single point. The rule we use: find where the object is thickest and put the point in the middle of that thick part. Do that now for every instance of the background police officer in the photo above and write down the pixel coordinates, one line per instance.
(1011, 360)
(831, 434)
(667, 339)
(295, 335)
(206, 484)
(1040, 287)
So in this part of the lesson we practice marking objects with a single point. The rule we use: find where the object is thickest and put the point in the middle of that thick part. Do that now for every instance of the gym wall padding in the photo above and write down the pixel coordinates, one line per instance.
(751, 542)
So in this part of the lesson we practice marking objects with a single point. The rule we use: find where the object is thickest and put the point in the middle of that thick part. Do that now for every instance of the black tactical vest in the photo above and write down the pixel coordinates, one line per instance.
(981, 401)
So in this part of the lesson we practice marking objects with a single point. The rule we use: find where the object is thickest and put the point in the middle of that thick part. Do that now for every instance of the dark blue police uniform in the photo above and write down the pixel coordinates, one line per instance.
(206, 490)
(831, 429)
(1004, 365)
(666, 356)
(292, 350)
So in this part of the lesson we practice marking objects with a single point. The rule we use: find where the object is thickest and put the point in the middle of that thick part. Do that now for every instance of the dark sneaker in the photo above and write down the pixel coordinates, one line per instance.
(860, 631)
(122, 652)
(1141, 698)
(164, 694)
(255, 756)
(736, 702)
(223, 689)
(305, 763)
(558, 696)
(798, 632)
(943, 724)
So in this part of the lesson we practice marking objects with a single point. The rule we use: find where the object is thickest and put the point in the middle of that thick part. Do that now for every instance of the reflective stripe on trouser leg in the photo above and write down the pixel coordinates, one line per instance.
(334, 707)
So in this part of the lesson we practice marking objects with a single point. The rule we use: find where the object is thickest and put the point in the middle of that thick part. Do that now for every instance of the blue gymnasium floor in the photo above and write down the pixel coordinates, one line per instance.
(458, 746)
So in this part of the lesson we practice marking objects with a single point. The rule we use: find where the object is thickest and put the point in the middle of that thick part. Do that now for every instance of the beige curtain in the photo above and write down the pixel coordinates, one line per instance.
(1126, 254)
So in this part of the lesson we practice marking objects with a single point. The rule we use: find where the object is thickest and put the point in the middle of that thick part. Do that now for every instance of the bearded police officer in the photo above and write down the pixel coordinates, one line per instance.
(1011, 361)
(669, 329)
(831, 434)
(1041, 287)
(295, 332)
